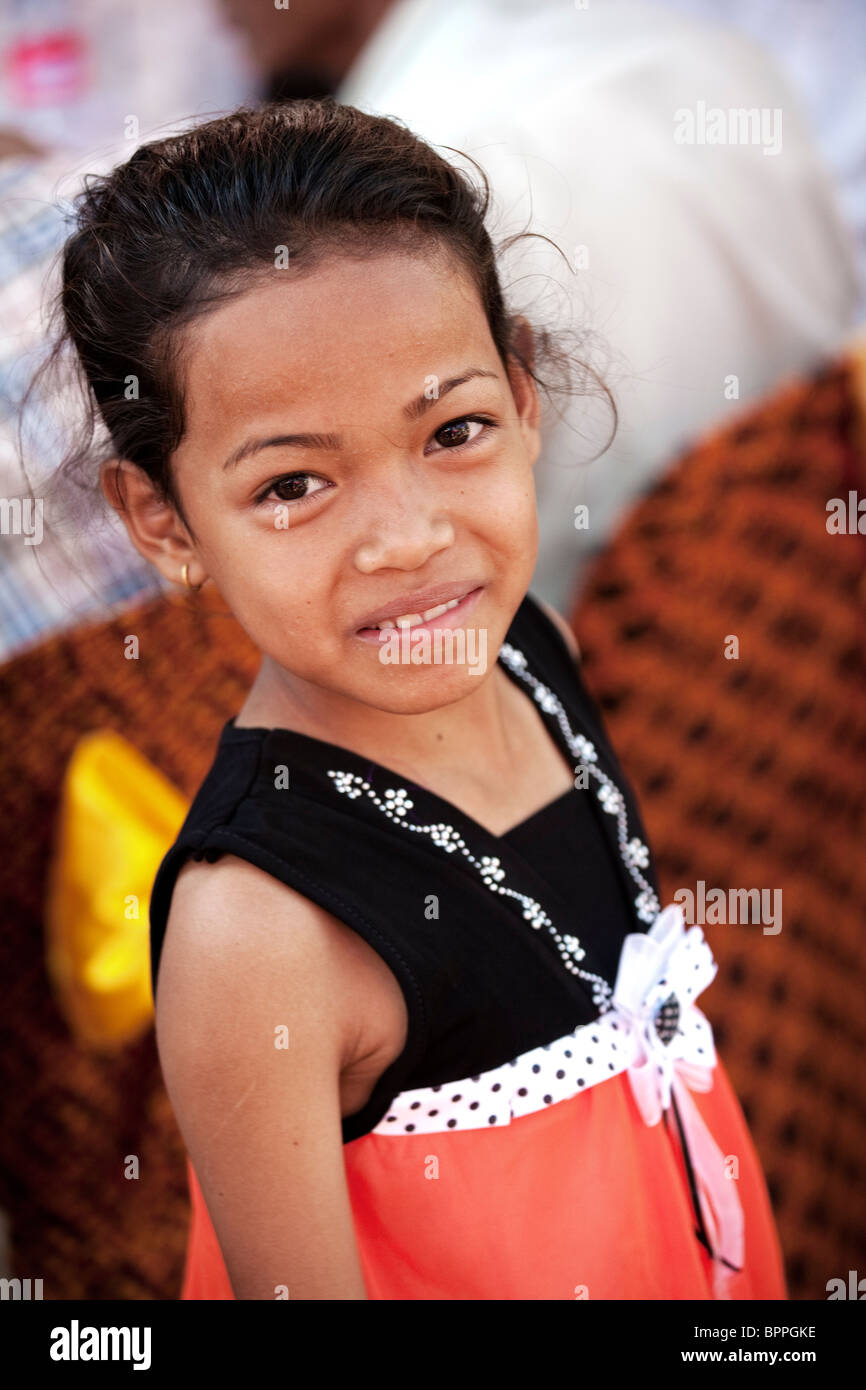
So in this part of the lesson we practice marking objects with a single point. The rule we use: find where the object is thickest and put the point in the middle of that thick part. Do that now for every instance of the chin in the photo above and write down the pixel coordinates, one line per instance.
(422, 689)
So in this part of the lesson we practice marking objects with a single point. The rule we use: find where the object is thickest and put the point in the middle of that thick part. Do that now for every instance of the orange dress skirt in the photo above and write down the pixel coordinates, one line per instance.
(579, 1200)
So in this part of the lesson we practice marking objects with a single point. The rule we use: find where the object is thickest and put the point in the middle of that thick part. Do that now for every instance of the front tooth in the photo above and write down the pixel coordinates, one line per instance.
(412, 619)
(434, 612)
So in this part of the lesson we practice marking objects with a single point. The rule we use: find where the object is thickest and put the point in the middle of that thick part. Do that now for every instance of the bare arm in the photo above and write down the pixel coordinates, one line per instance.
(14, 143)
(245, 957)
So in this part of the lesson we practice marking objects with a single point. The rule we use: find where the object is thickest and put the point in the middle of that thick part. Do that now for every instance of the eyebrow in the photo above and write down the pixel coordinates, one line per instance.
(413, 411)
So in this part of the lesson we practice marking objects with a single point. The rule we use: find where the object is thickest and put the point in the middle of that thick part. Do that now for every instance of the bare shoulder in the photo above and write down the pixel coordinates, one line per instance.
(563, 626)
(230, 907)
(254, 1024)
(234, 928)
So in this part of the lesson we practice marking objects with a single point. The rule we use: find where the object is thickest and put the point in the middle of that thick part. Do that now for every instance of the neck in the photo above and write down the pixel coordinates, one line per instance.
(334, 46)
(489, 717)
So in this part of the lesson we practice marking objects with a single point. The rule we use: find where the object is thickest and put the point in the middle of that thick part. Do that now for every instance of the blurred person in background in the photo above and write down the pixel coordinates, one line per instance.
(305, 51)
(72, 72)
(821, 49)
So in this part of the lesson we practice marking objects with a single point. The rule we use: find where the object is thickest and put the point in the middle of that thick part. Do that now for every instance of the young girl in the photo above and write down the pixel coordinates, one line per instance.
(425, 1028)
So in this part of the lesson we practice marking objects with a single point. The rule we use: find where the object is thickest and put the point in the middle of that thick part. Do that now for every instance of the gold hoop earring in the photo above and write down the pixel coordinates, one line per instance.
(185, 576)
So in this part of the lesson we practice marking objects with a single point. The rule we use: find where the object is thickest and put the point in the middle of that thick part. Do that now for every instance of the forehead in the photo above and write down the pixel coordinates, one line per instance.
(350, 328)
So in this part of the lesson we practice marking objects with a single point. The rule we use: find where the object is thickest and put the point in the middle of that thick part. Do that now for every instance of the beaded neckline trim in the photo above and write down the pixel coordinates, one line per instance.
(634, 853)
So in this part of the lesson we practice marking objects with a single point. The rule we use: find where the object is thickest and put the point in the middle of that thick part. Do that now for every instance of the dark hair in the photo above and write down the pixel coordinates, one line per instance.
(192, 219)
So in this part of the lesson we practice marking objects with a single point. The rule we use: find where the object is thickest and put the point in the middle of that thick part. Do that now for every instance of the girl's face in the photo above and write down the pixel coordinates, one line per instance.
(352, 438)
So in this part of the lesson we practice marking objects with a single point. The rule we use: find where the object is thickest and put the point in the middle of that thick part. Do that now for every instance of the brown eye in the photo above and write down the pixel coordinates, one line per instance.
(294, 488)
(291, 489)
(458, 432)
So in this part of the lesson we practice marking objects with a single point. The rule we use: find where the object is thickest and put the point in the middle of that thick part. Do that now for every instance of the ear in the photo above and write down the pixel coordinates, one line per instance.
(523, 387)
(153, 525)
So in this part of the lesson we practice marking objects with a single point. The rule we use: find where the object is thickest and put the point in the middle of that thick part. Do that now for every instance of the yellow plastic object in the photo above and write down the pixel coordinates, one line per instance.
(118, 817)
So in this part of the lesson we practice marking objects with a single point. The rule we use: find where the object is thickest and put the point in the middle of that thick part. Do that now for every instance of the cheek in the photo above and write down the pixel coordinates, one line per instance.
(263, 574)
(509, 510)
(256, 553)
(285, 621)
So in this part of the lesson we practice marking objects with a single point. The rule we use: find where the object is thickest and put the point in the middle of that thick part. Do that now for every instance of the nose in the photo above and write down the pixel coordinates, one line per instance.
(403, 522)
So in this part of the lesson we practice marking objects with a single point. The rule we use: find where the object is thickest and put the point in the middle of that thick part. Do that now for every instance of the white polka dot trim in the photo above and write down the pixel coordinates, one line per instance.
(593, 1053)
(653, 1030)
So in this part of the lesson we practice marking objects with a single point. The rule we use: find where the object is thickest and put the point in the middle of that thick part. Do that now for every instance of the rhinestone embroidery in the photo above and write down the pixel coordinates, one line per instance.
(634, 853)
(395, 804)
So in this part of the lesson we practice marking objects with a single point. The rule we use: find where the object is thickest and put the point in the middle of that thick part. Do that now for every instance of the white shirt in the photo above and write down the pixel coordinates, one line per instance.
(707, 271)
(820, 48)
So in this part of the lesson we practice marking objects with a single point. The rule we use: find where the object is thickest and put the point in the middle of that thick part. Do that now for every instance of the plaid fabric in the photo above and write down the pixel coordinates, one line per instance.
(52, 582)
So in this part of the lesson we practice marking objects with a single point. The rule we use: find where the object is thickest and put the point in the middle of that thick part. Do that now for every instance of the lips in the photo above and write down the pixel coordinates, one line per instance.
(452, 617)
(419, 603)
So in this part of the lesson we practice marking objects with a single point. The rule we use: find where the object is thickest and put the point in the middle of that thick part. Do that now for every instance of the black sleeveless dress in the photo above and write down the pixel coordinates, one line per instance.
(524, 1077)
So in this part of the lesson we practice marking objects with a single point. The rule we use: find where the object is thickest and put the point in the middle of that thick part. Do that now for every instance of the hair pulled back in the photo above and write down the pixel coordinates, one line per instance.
(192, 219)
